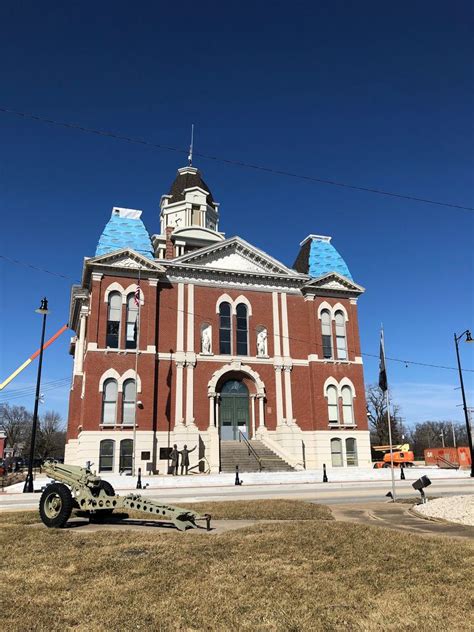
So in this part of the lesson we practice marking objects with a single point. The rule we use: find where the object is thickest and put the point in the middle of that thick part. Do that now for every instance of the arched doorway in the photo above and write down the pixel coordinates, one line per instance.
(234, 410)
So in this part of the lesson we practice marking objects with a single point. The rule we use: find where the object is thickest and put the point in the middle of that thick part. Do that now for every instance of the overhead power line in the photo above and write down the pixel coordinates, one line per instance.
(305, 341)
(228, 161)
(7, 396)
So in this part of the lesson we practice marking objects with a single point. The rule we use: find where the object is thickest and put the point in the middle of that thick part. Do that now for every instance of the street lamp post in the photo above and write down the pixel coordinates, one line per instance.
(28, 487)
(466, 333)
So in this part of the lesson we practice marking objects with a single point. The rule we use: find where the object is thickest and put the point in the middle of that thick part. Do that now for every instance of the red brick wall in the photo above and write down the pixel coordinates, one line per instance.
(158, 327)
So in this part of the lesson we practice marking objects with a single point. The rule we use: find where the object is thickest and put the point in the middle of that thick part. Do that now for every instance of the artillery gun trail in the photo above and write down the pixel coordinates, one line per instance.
(79, 488)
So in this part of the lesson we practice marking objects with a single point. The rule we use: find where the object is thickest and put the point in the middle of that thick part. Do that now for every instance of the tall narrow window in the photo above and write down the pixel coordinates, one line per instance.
(351, 452)
(106, 455)
(128, 403)
(225, 329)
(326, 333)
(242, 330)
(196, 215)
(336, 453)
(347, 409)
(132, 323)
(333, 412)
(341, 344)
(126, 455)
(113, 320)
(109, 402)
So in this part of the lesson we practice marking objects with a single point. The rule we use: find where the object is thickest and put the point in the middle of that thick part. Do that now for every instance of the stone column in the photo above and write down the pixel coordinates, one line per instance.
(288, 397)
(190, 358)
(218, 412)
(79, 356)
(178, 411)
(261, 411)
(212, 410)
(252, 399)
(279, 394)
(180, 357)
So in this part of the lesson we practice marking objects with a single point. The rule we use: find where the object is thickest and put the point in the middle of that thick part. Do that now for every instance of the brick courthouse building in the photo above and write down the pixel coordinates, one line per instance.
(229, 340)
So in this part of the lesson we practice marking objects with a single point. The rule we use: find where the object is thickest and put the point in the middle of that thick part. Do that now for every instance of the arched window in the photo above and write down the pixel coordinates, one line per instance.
(225, 329)
(341, 344)
(242, 330)
(126, 455)
(336, 453)
(333, 410)
(114, 315)
(128, 402)
(347, 408)
(106, 455)
(351, 452)
(109, 402)
(132, 324)
(326, 333)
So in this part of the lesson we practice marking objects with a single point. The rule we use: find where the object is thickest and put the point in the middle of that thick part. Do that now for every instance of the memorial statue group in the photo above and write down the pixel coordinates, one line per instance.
(174, 459)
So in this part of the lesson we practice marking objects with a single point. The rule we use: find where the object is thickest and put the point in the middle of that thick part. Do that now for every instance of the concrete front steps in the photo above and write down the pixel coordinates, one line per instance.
(235, 453)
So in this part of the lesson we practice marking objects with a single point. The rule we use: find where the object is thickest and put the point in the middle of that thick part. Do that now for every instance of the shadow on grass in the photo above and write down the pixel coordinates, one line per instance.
(123, 518)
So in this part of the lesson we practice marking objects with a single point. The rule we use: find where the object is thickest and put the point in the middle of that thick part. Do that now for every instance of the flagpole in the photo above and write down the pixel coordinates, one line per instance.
(383, 383)
(137, 347)
(391, 446)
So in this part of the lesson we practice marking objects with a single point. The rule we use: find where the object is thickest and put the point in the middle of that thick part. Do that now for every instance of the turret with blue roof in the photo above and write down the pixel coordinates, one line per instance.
(318, 257)
(125, 229)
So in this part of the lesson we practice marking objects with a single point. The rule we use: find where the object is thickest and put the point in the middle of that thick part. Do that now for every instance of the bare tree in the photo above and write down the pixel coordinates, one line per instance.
(51, 436)
(430, 434)
(16, 421)
(377, 415)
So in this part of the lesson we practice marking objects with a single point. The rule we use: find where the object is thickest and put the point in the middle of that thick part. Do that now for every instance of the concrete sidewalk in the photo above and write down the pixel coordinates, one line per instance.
(335, 475)
(398, 516)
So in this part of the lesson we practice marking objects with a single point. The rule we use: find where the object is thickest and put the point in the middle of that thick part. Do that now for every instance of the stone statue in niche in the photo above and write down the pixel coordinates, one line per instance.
(206, 337)
(262, 348)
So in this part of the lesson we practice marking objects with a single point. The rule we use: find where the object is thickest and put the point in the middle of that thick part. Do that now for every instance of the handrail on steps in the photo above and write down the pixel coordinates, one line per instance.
(250, 449)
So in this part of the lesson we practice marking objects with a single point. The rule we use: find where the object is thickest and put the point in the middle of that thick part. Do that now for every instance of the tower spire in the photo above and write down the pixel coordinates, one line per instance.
(190, 157)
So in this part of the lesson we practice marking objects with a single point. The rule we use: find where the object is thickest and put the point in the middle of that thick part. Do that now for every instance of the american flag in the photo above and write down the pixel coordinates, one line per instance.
(137, 296)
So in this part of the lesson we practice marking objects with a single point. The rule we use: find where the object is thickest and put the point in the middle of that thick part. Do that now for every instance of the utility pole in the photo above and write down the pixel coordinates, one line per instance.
(28, 487)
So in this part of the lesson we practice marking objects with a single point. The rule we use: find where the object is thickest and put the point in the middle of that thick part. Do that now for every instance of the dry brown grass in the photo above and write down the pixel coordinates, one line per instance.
(307, 574)
(257, 510)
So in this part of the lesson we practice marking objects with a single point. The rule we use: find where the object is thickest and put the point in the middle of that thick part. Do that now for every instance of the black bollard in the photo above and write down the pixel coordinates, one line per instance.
(402, 473)
(325, 476)
(139, 480)
(237, 479)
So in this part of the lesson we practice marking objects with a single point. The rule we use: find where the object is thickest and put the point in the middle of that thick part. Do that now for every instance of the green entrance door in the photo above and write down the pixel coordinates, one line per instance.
(234, 410)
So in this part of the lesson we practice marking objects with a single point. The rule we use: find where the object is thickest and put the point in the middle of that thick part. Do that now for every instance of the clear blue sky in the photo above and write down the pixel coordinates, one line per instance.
(370, 93)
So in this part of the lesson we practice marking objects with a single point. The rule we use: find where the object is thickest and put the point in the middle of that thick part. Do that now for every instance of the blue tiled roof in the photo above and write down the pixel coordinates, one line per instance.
(324, 258)
(125, 232)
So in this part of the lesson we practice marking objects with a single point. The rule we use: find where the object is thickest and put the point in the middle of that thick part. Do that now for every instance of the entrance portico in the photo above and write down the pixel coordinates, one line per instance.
(236, 401)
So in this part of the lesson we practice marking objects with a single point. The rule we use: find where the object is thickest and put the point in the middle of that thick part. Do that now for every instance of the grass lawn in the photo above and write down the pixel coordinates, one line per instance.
(304, 572)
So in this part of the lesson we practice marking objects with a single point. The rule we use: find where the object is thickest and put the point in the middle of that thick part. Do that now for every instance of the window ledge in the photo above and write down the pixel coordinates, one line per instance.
(342, 426)
(117, 426)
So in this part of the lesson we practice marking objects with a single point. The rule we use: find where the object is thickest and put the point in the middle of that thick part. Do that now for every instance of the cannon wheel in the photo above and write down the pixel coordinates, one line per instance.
(55, 505)
(101, 514)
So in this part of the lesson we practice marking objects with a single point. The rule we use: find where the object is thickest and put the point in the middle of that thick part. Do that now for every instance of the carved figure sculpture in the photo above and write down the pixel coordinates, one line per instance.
(206, 339)
(262, 349)
(185, 458)
(174, 458)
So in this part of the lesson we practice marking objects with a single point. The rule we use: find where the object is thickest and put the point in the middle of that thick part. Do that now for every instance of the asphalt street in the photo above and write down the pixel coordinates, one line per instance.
(325, 493)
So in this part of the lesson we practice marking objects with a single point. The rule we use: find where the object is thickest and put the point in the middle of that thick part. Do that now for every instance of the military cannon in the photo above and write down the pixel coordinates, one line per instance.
(78, 488)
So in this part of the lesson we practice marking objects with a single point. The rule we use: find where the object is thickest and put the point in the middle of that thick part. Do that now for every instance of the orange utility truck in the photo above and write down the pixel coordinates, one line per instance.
(402, 456)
